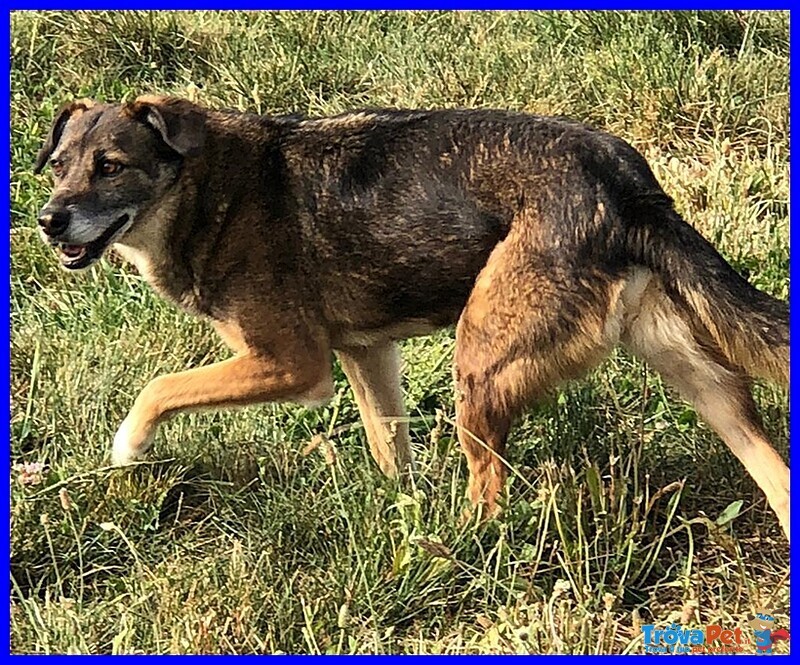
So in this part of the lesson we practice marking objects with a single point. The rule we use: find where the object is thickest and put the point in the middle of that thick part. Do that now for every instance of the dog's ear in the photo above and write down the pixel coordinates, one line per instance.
(57, 129)
(181, 124)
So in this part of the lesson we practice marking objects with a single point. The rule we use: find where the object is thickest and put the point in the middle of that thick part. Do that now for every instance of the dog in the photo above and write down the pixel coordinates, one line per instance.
(546, 242)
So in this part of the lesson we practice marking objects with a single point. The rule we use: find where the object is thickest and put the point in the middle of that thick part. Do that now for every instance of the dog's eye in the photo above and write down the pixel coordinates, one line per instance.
(58, 168)
(109, 168)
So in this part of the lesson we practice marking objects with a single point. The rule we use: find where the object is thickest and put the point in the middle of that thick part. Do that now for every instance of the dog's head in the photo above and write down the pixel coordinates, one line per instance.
(112, 163)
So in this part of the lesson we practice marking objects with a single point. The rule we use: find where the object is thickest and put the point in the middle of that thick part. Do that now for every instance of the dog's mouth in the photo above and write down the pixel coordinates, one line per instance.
(75, 257)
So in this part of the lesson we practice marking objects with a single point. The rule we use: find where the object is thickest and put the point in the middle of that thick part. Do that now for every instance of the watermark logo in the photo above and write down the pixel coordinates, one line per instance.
(762, 624)
(723, 640)
(714, 638)
(677, 639)
(672, 639)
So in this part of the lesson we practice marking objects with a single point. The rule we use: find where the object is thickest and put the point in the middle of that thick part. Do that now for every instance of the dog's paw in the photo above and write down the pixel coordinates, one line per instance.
(131, 442)
(480, 513)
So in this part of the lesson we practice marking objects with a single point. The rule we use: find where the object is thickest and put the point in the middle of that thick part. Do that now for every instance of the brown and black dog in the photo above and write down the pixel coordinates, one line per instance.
(547, 242)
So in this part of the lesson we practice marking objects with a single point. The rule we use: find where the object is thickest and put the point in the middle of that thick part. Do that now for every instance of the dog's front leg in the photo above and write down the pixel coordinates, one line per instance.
(374, 376)
(246, 379)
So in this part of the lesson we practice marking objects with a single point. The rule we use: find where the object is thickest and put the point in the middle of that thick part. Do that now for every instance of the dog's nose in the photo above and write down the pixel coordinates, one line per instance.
(54, 222)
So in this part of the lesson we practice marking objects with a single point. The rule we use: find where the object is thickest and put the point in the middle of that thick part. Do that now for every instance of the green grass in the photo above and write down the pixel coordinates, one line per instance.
(237, 538)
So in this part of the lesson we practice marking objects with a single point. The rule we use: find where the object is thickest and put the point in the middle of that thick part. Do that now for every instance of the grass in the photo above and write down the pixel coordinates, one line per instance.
(238, 537)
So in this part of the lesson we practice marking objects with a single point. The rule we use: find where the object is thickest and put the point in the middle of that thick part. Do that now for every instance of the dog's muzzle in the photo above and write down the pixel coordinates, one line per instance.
(54, 223)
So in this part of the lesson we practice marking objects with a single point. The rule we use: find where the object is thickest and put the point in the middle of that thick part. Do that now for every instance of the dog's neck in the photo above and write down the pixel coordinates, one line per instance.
(151, 249)
(172, 244)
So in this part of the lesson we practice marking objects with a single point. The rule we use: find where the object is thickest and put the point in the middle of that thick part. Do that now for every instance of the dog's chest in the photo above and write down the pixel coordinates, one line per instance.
(165, 279)
(142, 261)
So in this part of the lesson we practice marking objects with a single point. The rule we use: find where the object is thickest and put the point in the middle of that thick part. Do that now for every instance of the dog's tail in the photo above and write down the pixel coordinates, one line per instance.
(750, 327)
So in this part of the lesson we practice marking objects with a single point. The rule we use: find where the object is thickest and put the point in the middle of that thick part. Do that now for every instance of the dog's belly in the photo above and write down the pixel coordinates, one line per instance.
(405, 274)
(396, 300)
(361, 313)
(399, 330)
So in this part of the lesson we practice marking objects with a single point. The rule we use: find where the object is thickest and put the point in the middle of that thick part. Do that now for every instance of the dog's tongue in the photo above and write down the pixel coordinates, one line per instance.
(72, 250)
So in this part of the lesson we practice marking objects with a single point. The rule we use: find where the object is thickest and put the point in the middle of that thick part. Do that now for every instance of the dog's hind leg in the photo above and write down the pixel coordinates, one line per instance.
(374, 375)
(657, 331)
(529, 324)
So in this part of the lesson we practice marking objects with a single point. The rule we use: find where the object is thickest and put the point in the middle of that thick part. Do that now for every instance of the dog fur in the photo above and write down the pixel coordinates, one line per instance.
(548, 243)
